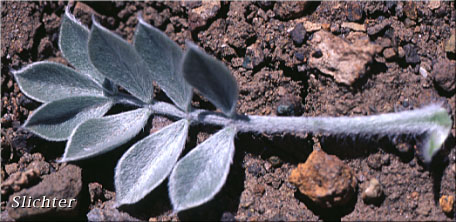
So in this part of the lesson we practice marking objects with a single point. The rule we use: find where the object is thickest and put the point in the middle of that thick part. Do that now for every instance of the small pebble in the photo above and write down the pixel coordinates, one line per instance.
(405, 103)
(275, 161)
(95, 191)
(446, 203)
(335, 28)
(298, 34)
(227, 216)
(259, 189)
(385, 160)
(401, 52)
(355, 12)
(443, 73)
(450, 44)
(325, 179)
(299, 56)
(373, 192)
(411, 54)
(276, 184)
(11, 168)
(246, 203)
(389, 53)
(288, 105)
(375, 161)
(403, 147)
(255, 170)
(415, 195)
(423, 72)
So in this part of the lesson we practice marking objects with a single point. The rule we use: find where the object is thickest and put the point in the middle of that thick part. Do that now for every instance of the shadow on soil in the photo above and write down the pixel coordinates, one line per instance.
(328, 214)
(438, 165)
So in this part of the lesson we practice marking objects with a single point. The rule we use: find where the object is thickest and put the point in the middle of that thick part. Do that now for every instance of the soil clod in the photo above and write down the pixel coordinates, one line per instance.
(325, 179)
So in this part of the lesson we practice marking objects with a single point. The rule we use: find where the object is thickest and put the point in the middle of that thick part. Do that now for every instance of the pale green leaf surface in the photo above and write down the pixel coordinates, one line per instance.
(57, 119)
(116, 59)
(73, 40)
(436, 137)
(100, 135)
(200, 175)
(147, 163)
(163, 57)
(48, 81)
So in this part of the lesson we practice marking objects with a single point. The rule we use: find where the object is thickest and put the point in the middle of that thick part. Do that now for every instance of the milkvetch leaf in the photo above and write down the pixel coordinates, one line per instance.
(57, 119)
(116, 59)
(147, 163)
(200, 175)
(163, 57)
(73, 40)
(100, 135)
(211, 77)
(49, 81)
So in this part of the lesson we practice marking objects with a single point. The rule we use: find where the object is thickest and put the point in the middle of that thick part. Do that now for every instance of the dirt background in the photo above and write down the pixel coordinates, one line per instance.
(267, 51)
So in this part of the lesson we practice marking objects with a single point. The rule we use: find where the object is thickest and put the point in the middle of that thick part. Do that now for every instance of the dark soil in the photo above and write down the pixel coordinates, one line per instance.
(268, 58)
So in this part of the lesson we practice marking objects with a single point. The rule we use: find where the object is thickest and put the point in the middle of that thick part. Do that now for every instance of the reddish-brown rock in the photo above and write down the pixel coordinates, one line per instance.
(325, 179)
(58, 192)
(446, 203)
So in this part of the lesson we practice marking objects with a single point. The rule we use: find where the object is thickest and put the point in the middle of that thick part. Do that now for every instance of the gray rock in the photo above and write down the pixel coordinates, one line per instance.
(254, 56)
(411, 55)
(255, 169)
(298, 34)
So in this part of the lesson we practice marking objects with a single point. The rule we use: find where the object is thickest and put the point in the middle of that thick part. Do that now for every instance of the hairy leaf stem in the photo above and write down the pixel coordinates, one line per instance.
(432, 121)
(429, 118)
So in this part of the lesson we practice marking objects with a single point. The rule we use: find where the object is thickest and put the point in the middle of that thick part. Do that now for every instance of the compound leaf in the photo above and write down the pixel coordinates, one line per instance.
(57, 119)
(147, 163)
(100, 135)
(163, 57)
(73, 40)
(48, 81)
(117, 59)
(200, 175)
(211, 77)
